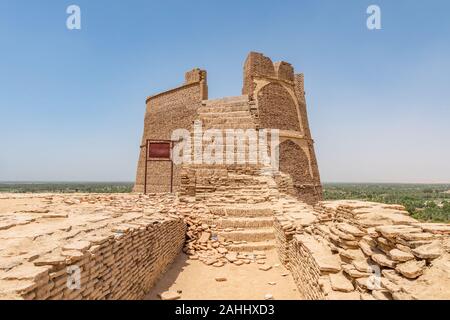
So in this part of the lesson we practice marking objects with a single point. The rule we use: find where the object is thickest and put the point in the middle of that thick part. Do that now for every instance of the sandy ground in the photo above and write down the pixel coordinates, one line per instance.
(197, 281)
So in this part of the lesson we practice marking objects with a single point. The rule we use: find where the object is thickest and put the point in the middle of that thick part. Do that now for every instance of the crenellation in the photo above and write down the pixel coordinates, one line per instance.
(284, 71)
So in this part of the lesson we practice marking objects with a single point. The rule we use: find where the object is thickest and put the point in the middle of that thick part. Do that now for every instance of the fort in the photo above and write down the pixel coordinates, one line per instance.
(213, 230)
(273, 98)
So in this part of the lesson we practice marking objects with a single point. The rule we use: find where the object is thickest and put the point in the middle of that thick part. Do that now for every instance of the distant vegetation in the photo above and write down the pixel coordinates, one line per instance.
(69, 187)
(424, 202)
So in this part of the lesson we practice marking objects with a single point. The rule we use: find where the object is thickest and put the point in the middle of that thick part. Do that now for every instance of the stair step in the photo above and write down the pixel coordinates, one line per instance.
(243, 212)
(234, 99)
(250, 223)
(224, 108)
(227, 120)
(234, 126)
(253, 235)
(252, 246)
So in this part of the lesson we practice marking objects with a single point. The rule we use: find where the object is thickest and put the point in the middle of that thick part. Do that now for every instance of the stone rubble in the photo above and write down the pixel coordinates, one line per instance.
(364, 250)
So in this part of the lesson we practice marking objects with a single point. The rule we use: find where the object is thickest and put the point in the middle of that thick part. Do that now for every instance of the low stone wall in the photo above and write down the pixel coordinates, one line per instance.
(122, 266)
(119, 262)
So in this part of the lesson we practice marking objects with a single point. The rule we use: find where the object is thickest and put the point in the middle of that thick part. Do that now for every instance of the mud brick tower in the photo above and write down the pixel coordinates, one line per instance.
(273, 97)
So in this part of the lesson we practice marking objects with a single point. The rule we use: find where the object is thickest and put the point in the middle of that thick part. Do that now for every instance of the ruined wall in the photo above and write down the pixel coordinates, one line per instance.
(124, 265)
(295, 162)
(280, 103)
(274, 98)
(362, 250)
(167, 111)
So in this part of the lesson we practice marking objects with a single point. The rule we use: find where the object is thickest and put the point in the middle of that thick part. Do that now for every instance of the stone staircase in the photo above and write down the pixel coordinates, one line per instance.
(242, 198)
(228, 113)
(246, 227)
(226, 184)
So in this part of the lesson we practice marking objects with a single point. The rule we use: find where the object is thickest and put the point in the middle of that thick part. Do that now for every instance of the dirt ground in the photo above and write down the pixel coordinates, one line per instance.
(246, 282)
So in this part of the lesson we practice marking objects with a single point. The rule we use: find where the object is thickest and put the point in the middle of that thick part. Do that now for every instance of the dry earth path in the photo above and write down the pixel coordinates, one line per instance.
(197, 281)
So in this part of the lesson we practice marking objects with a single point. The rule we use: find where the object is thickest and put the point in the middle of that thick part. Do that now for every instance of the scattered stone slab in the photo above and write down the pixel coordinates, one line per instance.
(204, 237)
(389, 285)
(383, 260)
(170, 295)
(392, 231)
(340, 283)
(218, 264)
(435, 228)
(361, 265)
(349, 229)
(428, 251)
(366, 248)
(339, 295)
(221, 279)
(381, 295)
(353, 272)
(411, 269)
(265, 268)
(416, 236)
(231, 257)
(400, 256)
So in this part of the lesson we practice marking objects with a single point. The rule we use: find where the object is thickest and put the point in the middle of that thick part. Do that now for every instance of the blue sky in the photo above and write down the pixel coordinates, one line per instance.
(72, 102)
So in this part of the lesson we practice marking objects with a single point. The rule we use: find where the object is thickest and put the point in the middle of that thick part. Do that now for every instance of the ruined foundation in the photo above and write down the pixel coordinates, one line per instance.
(104, 251)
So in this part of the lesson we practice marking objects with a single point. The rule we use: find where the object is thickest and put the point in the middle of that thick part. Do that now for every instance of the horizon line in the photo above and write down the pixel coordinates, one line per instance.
(132, 182)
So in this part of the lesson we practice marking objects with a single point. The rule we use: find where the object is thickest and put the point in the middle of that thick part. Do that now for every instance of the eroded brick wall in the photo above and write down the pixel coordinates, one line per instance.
(124, 265)
(277, 110)
(166, 112)
(280, 103)
(295, 162)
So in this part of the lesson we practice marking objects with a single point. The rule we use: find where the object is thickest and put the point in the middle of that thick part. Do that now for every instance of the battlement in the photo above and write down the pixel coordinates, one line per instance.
(258, 65)
(195, 75)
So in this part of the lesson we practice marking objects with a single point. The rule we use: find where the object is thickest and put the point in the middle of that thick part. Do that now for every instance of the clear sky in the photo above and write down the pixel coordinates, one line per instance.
(72, 102)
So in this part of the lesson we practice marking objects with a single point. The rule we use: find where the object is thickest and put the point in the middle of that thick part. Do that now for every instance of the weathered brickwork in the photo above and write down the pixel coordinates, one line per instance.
(273, 99)
(295, 162)
(87, 247)
(277, 108)
(280, 104)
(165, 113)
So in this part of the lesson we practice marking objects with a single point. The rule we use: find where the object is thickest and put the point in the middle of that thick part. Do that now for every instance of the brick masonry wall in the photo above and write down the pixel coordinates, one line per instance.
(277, 110)
(124, 265)
(280, 103)
(256, 64)
(294, 161)
(166, 112)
